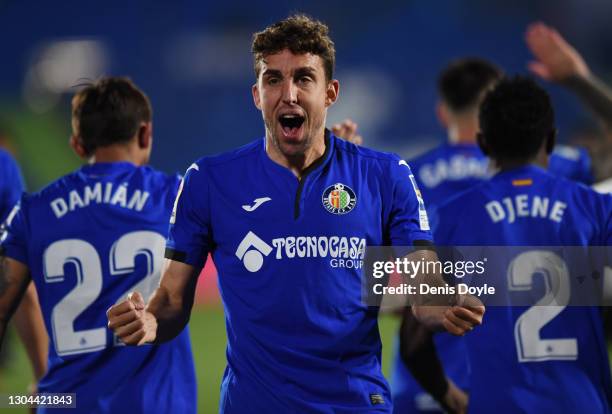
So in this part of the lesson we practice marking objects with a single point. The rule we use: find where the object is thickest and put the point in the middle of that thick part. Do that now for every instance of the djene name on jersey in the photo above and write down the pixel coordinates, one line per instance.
(524, 205)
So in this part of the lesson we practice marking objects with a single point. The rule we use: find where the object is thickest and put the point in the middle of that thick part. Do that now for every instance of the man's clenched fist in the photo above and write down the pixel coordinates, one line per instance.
(131, 322)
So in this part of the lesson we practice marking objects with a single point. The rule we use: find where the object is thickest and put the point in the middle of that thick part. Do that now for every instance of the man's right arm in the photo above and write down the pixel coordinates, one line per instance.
(167, 312)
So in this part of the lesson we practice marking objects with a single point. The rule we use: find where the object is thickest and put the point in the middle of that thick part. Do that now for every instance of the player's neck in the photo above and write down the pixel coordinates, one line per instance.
(118, 153)
(462, 133)
(300, 162)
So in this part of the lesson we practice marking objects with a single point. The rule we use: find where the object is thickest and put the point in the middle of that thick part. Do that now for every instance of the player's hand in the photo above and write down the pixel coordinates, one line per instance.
(455, 399)
(465, 316)
(347, 130)
(131, 322)
(556, 60)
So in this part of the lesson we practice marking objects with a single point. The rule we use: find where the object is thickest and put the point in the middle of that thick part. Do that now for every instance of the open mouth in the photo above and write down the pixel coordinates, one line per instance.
(291, 124)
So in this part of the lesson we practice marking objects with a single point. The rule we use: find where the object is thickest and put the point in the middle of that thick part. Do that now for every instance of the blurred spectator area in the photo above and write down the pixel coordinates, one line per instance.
(193, 59)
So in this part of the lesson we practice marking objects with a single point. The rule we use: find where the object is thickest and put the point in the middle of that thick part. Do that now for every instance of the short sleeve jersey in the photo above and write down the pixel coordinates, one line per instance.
(527, 359)
(289, 255)
(88, 239)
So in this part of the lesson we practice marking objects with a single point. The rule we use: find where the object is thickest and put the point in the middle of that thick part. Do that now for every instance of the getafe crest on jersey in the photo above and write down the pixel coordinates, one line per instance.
(339, 199)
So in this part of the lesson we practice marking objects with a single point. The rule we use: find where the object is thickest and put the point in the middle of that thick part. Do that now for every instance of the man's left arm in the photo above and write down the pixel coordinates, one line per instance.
(31, 329)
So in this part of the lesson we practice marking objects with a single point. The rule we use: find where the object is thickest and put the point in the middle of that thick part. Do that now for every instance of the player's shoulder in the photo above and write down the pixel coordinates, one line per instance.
(465, 199)
(145, 178)
(583, 192)
(439, 151)
(231, 158)
(54, 189)
(6, 160)
(5, 155)
(160, 178)
(569, 153)
(364, 154)
(572, 162)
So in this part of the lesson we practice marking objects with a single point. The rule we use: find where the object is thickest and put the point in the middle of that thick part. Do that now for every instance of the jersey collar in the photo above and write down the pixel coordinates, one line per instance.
(108, 167)
(528, 169)
(318, 164)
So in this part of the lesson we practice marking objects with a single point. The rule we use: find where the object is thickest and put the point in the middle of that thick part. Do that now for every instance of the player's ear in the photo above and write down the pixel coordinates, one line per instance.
(145, 135)
(256, 97)
(482, 143)
(442, 114)
(77, 146)
(333, 90)
(551, 138)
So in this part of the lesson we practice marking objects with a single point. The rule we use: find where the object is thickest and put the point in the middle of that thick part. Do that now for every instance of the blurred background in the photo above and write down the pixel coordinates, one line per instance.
(193, 60)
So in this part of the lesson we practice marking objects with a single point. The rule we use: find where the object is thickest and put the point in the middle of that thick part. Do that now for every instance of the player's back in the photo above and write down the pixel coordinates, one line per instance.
(448, 170)
(443, 172)
(539, 358)
(89, 238)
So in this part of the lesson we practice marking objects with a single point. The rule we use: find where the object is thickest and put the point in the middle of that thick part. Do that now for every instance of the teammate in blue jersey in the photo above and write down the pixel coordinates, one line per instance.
(458, 163)
(562, 366)
(287, 219)
(88, 239)
(27, 320)
(571, 162)
(11, 186)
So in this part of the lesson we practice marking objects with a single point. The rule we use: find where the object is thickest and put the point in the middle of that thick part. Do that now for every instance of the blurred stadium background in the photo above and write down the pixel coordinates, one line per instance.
(193, 60)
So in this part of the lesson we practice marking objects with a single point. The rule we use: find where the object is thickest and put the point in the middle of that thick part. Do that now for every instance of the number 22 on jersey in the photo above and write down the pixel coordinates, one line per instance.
(86, 261)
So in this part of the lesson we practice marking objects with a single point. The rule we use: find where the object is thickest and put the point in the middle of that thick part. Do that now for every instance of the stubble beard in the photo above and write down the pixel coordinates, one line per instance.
(291, 152)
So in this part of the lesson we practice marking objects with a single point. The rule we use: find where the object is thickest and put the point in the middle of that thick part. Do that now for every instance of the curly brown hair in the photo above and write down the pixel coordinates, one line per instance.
(300, 34)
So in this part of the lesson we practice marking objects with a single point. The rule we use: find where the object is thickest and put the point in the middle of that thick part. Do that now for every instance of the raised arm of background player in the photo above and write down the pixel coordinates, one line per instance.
(557, 61)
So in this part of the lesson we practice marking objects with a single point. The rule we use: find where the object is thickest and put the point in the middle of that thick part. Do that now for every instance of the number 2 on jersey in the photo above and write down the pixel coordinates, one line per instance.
(529, 345)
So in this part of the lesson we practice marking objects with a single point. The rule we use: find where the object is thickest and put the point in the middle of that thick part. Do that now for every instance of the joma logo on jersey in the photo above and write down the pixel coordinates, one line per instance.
(339, 199)
(344, 252)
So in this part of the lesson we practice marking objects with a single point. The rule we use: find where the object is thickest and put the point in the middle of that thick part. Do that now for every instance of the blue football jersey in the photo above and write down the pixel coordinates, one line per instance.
(447, 170)
(571, 162)
(88, 239)
(441, 173)
(11, 184)
(541, 358)
(289, 254)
